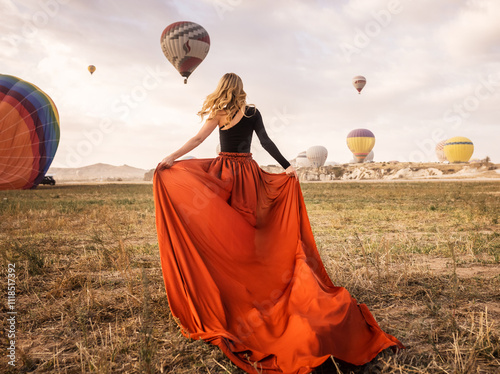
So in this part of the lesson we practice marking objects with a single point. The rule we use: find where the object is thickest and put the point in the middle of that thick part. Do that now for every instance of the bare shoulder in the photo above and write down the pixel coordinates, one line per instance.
(219, 117)
(220, 113)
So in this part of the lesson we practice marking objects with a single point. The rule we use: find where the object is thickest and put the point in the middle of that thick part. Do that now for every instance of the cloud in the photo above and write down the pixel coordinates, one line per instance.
(472, 36)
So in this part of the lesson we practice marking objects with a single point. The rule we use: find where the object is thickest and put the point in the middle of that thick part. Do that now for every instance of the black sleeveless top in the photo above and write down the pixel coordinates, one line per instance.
(237, 139)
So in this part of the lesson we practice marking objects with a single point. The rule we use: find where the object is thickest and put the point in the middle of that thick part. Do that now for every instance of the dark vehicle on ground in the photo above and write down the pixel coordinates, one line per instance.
(48, 179)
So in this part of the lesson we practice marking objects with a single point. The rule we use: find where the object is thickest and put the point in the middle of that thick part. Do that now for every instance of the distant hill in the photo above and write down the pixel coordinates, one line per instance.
(99, 173)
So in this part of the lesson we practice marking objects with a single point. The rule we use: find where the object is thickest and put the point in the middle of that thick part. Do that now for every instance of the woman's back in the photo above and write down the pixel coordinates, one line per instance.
(238, 137)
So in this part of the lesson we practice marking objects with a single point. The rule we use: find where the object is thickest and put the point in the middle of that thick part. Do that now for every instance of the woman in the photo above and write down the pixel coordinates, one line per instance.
(239, 260)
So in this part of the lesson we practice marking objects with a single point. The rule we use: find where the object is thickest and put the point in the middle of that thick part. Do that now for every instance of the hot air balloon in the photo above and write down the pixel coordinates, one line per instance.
(370, 157)
(185, 45)
(360, 142)
(91, 69)
(440, 151)
(458, 149)
(301, 161)
(317, 155)
(29, 128)
(359, 82)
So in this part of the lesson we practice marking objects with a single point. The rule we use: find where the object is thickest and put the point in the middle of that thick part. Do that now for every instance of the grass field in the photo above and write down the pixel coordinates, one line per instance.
(424, 257)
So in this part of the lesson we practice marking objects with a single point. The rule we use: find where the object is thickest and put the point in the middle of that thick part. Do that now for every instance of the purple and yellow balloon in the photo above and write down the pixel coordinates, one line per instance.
(360, 142)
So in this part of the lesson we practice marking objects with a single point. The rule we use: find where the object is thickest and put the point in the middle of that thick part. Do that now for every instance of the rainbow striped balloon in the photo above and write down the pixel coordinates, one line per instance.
(360, 142)
(29, 133)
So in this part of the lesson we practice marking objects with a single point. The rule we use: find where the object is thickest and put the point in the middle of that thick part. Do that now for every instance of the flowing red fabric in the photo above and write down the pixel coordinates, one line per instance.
(242, 270)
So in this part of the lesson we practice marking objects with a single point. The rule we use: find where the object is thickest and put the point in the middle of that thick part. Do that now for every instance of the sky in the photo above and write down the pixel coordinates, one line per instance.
(432, 70)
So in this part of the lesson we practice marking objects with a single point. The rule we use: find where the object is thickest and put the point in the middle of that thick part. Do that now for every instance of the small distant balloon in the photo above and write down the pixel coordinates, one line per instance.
(185, 45)
(458, 149)
(317, 155)
(358, 82)
(29, 128)
(91, 69)
(302, 161)
(440, 151)
(360, 143)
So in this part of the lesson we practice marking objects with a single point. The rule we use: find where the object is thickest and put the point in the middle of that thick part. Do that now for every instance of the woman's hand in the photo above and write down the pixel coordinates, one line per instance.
(290, 171)
(165, 163)
(191, 144)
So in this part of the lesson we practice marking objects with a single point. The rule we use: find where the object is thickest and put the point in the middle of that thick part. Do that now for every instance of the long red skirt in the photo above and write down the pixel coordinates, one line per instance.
(242, 270)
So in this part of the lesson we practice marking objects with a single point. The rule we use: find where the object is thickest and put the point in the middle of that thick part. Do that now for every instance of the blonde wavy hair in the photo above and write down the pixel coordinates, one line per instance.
(228, 96)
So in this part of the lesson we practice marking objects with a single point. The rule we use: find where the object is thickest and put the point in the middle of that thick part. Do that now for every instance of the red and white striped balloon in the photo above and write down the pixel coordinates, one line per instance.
(358, 82)
(440, 151)
(185, 45)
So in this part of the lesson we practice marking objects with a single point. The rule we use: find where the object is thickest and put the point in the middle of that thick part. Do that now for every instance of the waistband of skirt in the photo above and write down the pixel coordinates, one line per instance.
(241, 157)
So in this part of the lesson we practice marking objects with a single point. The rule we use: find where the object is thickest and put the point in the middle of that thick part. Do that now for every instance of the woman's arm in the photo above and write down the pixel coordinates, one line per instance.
(271, 148)
(191, 144)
